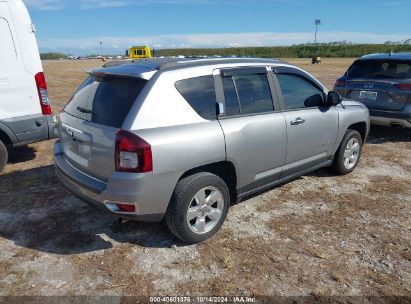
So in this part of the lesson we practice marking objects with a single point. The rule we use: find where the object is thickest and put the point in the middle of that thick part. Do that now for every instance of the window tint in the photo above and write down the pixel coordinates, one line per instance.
(247, 94)
(105, 100)
(254, 93)
(7, 50)
(200, 94)
(298, 92)
(232, 107)
(380, 69)
(80, 99)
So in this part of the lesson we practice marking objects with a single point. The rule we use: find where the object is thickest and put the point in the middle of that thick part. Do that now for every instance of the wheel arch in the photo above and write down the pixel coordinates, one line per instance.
(7, 136)
(223, 169)
(360, 127)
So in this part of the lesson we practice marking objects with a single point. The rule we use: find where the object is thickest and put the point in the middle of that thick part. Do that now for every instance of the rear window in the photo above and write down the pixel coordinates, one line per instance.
(139, 52)
(381, 69)
(105, 100)
(200, 94)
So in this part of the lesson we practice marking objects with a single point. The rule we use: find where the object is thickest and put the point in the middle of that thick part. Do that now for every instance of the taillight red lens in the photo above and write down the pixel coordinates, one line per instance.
(404, 86)
(126, 208)
(133, 154)
(43, 94)
(340, 82)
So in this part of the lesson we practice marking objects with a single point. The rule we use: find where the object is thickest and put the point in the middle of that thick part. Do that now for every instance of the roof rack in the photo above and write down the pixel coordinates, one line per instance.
(166, 63)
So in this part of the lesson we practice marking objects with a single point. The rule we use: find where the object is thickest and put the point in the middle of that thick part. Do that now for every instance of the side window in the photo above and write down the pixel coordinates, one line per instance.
(247, 94)
(7, 49)
(299, 92)
(200, 94)
(232, 107)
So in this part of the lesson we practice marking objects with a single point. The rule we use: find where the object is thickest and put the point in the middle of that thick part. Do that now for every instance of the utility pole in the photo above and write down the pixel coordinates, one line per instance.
(317, 23)
(101, 49)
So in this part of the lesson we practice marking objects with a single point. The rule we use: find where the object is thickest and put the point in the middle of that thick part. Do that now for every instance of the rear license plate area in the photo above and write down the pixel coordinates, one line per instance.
(368, 95)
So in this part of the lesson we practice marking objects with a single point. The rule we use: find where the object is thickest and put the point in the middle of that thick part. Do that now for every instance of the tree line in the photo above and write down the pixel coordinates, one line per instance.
(335, 50)
(51, 56)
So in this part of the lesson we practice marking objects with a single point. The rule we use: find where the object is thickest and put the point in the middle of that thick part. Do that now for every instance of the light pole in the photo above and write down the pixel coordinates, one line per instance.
(317, 23)
(101, 49)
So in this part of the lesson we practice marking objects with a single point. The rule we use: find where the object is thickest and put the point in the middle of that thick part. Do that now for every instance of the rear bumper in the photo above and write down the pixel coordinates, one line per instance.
(388, 118)
(31, 128)
(151, 204)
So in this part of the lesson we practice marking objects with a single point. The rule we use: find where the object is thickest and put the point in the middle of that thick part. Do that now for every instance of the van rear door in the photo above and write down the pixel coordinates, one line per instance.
(19, 62)
(91, 119)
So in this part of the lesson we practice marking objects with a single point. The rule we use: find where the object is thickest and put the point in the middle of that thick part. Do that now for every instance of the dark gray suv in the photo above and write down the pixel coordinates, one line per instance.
(382, 82)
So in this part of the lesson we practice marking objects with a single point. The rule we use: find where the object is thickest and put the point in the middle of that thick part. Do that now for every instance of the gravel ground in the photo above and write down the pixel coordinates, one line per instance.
(319, 235)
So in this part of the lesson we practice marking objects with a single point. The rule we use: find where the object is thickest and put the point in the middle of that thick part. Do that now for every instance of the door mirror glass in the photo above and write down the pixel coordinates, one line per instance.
(333, 98)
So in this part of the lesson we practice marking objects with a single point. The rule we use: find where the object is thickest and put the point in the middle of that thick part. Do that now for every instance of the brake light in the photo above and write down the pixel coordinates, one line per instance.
(43, 94)
(404, 86)
(133, 154)
(340, 82)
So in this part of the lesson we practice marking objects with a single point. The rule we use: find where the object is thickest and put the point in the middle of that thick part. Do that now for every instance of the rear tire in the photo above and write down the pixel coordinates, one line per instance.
(348, 154)
(4, 156)
(198, 207)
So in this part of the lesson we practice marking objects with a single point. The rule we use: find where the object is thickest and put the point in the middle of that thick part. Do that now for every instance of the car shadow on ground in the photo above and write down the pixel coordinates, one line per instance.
(37, 212)
(380, 135)
(377, 135)
(21, 154)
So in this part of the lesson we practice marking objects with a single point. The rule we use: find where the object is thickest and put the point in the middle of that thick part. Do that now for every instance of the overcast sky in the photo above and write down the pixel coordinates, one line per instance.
(77, 26)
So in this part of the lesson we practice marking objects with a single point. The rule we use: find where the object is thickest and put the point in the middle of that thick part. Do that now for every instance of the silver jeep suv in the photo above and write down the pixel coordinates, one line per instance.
(184, 139)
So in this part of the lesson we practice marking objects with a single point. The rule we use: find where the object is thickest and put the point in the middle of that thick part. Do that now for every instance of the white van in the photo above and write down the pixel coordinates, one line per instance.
(25, 110)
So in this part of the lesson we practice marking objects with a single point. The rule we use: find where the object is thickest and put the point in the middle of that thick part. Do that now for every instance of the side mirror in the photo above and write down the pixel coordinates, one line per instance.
(333, 98)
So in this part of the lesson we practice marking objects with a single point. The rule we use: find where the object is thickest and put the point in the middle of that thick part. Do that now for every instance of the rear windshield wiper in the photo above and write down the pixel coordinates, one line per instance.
(84, 110)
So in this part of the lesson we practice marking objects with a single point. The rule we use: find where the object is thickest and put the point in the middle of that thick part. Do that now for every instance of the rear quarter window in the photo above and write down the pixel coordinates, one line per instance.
(105, 100)
(200, 94)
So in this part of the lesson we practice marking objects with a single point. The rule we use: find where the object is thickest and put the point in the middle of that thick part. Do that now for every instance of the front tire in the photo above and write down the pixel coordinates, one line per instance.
(4, 156)
(198, 207)
(348, 154)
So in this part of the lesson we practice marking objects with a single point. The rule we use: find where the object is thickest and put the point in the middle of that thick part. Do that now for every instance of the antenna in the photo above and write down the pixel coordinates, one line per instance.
(317, 23)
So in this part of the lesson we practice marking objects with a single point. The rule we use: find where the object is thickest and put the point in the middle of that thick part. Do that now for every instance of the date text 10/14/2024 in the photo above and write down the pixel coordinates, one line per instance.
(202, 299)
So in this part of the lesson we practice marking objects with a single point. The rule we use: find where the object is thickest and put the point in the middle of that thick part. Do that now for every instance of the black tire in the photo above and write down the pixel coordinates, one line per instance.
(338, 165)
(4, 156)
(183, 196)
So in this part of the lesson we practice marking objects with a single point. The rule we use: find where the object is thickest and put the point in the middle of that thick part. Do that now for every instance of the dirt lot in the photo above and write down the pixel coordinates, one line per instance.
(320, 235)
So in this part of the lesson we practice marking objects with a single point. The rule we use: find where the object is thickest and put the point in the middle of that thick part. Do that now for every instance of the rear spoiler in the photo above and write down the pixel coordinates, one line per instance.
(122, 71)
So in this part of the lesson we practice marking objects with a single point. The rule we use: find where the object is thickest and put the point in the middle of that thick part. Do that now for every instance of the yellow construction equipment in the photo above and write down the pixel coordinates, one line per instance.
(140, 52)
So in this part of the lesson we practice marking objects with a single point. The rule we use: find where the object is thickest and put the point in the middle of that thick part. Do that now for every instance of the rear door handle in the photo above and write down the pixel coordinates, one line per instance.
(297, 121)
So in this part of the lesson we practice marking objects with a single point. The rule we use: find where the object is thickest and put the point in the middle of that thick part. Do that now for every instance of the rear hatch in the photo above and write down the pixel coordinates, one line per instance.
(380, 84)
(92, 118)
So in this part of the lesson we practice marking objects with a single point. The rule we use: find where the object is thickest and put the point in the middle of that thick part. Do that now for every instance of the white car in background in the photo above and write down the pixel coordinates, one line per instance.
(25, 111)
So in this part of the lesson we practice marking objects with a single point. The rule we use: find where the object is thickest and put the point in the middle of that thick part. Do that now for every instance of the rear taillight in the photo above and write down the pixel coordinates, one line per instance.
(133, 154)
(404, 86)
(43, 95)
(340, 82)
